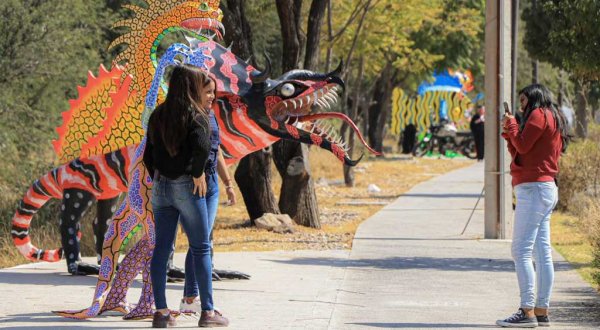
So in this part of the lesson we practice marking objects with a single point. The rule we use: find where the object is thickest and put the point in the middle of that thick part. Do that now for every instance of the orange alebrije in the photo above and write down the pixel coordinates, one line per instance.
(107, 114)
(86, 114)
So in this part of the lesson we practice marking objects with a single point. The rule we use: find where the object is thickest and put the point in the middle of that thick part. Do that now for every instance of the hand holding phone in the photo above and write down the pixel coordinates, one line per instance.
(507, 109)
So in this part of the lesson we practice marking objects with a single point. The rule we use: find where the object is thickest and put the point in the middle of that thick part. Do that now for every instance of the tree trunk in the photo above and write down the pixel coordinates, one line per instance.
(594, 102)
(561, 89)
(253, 174)
(378, 112)
(289, 19)
(315, 19)
(297, 197)
(581, 113)
(329, 38)
(534, 71)
(349, 170)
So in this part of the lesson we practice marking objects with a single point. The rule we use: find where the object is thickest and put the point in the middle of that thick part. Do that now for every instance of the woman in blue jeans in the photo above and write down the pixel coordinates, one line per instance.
(535, 145)
(177, 149)
(215, 168)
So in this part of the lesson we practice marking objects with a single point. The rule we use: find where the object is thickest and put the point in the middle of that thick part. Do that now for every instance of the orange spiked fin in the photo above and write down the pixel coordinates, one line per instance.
(86, 115)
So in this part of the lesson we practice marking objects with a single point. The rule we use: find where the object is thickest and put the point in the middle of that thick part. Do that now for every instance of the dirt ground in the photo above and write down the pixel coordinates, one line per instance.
(341, 208)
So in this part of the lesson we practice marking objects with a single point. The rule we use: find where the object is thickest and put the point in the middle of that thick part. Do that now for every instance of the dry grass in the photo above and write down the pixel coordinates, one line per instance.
(569, 240)
(233, 231)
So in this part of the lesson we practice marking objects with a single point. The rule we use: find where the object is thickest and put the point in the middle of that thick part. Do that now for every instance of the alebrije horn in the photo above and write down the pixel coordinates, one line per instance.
(261, 77)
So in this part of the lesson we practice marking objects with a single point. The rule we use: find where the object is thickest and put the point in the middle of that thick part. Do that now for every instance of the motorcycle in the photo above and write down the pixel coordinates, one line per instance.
(443, 137)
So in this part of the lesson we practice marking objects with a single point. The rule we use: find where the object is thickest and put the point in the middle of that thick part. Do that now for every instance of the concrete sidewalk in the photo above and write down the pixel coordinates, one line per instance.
(409, 268)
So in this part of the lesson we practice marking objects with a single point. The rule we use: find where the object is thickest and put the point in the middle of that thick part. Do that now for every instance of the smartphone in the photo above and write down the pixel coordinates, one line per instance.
(506, 108)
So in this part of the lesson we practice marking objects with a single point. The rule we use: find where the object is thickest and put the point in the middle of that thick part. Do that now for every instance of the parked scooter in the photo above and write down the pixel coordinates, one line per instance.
(446, 139)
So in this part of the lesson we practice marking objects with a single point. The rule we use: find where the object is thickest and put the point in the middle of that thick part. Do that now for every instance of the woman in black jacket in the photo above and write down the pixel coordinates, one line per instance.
(177, 148)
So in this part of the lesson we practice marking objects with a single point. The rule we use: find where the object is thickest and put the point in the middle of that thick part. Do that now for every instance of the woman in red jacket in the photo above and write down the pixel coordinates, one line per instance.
(535, 145)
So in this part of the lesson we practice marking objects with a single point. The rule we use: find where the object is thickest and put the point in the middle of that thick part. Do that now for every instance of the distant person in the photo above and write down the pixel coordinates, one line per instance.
(177, 149)
(477, 129)
(443, 111)
(409, 138)
(535, 145)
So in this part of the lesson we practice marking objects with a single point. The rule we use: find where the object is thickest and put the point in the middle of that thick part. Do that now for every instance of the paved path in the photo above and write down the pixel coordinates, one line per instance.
(409, 268)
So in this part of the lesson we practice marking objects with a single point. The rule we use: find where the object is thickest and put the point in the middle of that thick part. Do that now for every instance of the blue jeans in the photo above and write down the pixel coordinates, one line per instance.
(174, 201)
(211, 199)
(531, 240)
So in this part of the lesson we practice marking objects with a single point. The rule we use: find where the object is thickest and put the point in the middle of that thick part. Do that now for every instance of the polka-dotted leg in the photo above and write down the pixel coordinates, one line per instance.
(74, 205)
(131, 265)
(105, 210)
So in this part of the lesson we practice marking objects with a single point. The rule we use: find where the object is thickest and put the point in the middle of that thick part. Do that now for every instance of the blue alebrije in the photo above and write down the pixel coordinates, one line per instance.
(166, 60)
(120, 210)
(126, 226)
(135, 197)
(101, 290)
(94, 309)
(110, 232)
(150, 225)
(139, 151)
(198, 58)
(106, 267)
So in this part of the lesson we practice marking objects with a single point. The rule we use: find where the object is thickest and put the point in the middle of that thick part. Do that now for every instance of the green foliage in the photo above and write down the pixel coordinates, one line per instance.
(46, 49)
(266, 33)
(565, 34)
(417, 36)
(458, 36)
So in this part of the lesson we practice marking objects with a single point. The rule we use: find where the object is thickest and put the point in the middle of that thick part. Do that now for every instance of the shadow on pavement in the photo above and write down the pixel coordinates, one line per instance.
(585, 311)
(41, 278)
(63, 279)
(422, 325)
(447, 264)
(421, 195)
(41, 318)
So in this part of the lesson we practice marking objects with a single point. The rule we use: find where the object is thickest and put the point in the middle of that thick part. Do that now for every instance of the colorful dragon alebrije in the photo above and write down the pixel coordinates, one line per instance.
(101, 130)
(252, 110)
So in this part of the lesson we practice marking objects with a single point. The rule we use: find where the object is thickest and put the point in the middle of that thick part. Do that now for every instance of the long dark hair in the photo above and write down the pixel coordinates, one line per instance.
(171, 119)
(538, 96)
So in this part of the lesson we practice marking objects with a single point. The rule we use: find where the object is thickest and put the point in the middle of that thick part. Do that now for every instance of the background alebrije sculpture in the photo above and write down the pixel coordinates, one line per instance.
(418, 111)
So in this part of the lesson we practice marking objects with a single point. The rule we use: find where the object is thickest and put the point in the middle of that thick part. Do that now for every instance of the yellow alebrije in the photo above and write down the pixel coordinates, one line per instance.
(417, 111)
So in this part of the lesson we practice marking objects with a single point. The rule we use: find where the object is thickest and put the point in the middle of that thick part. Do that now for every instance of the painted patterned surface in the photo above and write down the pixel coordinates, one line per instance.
(107, 115)
(407, 110)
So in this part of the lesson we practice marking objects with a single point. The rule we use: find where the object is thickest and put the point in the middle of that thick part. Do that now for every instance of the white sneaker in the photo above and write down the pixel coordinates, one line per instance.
(192, 308)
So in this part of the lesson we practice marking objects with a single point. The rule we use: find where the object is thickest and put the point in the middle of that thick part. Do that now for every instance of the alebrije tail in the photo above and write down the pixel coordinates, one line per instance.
(42, 190)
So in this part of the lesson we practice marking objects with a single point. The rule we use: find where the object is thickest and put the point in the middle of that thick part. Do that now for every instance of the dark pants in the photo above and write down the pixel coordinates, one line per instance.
(478, 136)
(173, 201)
(190, 288)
